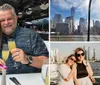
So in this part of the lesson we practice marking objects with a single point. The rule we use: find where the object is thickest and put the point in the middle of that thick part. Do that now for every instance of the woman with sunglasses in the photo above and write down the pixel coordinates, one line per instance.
(67, 71)
(84, 70)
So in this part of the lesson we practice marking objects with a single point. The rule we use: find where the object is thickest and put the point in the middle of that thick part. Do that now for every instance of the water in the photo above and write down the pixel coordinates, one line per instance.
(97, 81)
(96, 70)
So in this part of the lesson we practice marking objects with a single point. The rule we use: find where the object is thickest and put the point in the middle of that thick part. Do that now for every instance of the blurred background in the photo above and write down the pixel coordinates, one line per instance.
(33, 14)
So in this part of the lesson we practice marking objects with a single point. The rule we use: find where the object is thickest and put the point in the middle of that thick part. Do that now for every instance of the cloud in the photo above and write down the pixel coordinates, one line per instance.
(76, 23)
(61, 4)
(67, 4)
(91, 23)
(63, 19)
(95, 10)
(81, 7)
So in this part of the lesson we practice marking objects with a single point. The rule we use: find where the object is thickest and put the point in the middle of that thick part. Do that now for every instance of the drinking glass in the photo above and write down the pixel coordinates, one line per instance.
(45, 71)
(5, 52)
(47, 76)
(12, 45)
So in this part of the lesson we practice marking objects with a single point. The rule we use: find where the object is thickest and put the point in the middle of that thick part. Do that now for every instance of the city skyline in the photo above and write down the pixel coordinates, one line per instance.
(63, 7)
(67, 48)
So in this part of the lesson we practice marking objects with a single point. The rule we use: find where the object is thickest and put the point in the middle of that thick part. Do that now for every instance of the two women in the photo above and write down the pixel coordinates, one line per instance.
(76, 70)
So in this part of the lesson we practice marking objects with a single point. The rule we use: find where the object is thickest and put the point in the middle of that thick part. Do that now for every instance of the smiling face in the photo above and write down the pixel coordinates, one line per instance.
(71, 60)
(80, 56)
(8, 21)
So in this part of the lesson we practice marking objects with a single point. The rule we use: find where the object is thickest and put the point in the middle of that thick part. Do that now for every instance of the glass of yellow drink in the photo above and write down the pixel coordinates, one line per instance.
(44, 71)
(5, 52)
(11, 44)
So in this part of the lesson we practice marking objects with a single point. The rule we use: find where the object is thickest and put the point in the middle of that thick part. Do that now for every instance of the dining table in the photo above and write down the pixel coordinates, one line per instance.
(24, 79)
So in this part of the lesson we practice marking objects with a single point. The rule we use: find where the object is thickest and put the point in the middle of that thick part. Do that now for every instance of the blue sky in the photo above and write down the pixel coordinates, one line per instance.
(81, 9)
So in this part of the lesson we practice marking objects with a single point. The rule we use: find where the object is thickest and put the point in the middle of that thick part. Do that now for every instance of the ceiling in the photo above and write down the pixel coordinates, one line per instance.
(29, 9)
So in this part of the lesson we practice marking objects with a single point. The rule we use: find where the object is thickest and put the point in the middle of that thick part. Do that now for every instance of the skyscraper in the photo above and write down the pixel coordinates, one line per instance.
(69, 21)
(51, 25)
(72, 11)
(62, 28)
(57, 18)
(96, 27)
(83, 26)
(73, 15)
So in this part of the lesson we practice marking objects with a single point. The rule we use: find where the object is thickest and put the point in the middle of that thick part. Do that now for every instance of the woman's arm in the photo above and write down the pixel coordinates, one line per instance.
(70, 75)
(89, 69)
(90, 72)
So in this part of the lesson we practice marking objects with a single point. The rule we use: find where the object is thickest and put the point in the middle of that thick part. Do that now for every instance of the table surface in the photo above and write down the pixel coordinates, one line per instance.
(25, 79)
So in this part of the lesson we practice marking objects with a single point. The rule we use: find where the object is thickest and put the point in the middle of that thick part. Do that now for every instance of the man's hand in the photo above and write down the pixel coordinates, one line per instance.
(18, 55)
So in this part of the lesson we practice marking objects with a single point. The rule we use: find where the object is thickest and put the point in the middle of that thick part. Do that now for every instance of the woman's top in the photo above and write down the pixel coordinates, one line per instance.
(64, 72)
(81, 70)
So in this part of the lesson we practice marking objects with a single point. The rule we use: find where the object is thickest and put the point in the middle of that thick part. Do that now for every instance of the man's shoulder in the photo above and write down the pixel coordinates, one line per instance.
(26, 30)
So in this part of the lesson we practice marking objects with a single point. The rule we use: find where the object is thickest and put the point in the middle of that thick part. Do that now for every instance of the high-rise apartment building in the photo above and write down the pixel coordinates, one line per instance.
(57, 18)
(69, 21)
(83, 26)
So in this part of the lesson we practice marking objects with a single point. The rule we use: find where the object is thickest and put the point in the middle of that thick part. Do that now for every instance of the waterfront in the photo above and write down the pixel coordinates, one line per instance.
(74, 37)
(96, 68)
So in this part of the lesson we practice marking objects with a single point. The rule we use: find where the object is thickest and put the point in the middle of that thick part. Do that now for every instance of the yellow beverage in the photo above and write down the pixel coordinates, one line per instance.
(5, 54)
(47, 80)
(11, 45)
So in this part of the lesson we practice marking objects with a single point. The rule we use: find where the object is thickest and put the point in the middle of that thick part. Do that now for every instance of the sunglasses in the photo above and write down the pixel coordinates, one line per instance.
(82, 54)
(72, 59)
